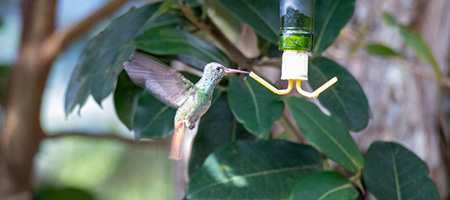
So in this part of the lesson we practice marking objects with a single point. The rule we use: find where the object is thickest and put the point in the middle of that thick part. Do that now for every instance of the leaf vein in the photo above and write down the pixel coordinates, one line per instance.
(334, 190)
(322, 31)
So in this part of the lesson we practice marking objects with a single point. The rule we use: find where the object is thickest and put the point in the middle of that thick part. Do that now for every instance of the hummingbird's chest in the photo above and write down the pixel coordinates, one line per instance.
(194, 107)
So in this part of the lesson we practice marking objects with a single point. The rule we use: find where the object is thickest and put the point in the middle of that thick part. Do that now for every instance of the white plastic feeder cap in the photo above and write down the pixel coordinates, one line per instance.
(294, 65)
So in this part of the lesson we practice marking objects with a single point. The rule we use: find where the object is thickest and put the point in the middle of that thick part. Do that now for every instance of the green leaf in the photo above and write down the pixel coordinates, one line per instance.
(345, 99)
(126, 98)
(217, 127)
(326, 133)
(62, 193)
(5, 72)
(331, 17)
(389, 19)
(153, 118)
(101, 60)
(394, 172)
(324, 186)
(256, 170)
(262, 16)
(170, 41)
(380, 50)
(254, 105)
(415, 42)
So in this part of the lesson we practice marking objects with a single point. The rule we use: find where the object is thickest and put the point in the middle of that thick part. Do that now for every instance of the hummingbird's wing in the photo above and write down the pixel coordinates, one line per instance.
(165, 83)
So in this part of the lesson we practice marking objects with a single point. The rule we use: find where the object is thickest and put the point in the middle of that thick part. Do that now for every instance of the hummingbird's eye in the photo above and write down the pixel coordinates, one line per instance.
(217, 68)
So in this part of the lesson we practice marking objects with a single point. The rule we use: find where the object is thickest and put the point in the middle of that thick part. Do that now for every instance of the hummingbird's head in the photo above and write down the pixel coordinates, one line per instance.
(217, 71)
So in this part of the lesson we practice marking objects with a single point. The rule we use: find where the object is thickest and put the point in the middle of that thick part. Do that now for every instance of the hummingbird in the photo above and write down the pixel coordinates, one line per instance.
(172, 88)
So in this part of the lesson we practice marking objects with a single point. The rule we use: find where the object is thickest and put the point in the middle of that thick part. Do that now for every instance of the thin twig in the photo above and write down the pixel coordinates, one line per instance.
(233, 52)
(289, 128)
(112, 137)
(61, 38)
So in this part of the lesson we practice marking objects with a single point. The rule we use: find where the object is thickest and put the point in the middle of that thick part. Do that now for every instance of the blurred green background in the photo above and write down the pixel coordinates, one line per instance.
(81, 167)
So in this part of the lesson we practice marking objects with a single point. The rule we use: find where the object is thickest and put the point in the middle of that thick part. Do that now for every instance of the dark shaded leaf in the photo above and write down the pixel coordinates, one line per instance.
(101, 60)
(256, 170)
(254, 105)
(331, 17)
(380, 50)
(262, 16)
(394, 172)
(166, 41)
(5, 72)
(153, 118)
(217, 127)
(415, 42)
(326, 133)
(126, 98)
(63, 193)
(324, 186)
(345, 99)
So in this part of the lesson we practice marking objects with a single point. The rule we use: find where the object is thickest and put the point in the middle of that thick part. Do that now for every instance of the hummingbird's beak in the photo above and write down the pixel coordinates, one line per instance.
(228, 71)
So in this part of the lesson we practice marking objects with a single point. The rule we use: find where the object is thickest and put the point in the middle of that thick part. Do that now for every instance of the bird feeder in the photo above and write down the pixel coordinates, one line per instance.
(296, 40)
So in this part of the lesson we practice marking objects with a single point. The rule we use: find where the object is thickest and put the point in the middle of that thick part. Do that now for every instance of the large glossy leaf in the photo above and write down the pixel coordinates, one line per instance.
(153, 118)
(326, 133)
(217, 127)
(331, 17)
(254, 105)
(380, 50)
(345, 99)
(415, 42)
(253, 170)
(101, 60)
(171, 41)
(394, 172)
(126, 98)
(325, 186)
(262, 16)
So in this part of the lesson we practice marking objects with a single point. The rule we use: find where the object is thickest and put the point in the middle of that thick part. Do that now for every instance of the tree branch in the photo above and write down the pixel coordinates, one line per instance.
(107, 136)
(59, 40)
(21, 133)
(233, 52)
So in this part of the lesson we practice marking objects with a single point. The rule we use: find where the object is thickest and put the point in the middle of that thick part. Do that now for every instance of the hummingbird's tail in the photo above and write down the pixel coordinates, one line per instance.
(177, 141)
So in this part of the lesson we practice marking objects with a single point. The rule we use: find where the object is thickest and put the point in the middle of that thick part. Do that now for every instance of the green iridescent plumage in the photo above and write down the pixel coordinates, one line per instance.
(175, 90)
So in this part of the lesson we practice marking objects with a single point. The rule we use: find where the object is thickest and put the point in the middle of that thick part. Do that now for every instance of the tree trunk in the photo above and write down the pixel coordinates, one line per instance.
(402, 96)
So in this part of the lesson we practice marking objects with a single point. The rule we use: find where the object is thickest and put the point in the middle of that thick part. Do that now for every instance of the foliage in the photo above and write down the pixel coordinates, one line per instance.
(412, 39)
(234, 156)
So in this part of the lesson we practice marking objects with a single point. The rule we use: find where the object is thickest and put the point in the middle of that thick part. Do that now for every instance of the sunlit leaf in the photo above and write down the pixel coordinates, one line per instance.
(394, 172)
(256, 170)
(324, 186)
(217, 127)
(262, 16)
(326, 133)
(380, 50)
(331, 17)
(345, 99)
(254, 105)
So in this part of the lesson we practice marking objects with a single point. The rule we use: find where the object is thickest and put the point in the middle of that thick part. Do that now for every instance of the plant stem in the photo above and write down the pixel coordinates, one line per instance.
(233, 52)
(233, 133)
(289, 128)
